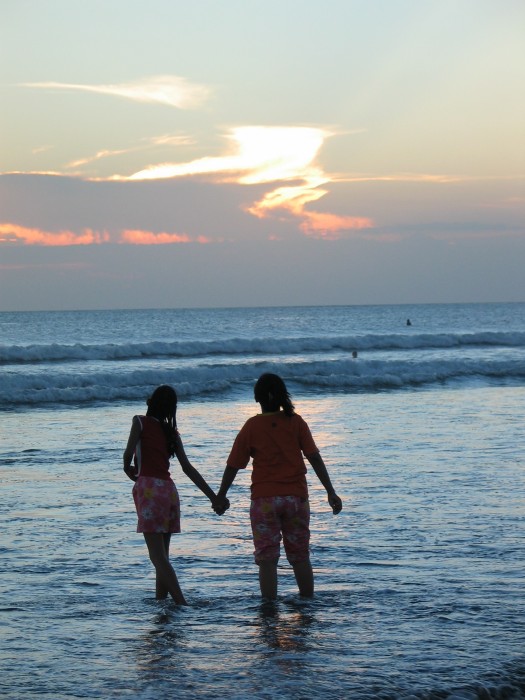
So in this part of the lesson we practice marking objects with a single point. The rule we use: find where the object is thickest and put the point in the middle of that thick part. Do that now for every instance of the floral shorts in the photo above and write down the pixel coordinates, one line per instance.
(157, 504)
(280, 516)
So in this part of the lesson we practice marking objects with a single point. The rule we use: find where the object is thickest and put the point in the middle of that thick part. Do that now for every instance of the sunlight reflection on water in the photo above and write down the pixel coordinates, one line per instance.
(419, 582)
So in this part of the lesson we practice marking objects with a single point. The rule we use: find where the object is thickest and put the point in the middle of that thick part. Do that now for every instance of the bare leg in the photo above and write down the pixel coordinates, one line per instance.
(161, 592)
(304, 577)
(164, 570)
(268, 579)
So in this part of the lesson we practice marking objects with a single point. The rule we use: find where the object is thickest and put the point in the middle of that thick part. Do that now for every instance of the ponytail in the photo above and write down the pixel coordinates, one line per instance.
(271, 392)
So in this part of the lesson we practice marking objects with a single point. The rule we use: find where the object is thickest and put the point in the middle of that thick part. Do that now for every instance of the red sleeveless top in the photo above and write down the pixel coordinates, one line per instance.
(151, 452)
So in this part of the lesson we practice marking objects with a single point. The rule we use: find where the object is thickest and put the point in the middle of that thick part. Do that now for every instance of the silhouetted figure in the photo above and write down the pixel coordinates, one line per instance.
(277, 440)
(153, 439)
(354, 354)
(409, 322)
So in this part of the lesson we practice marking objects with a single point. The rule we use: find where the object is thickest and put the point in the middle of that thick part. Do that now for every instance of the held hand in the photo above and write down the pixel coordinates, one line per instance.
(220, 505)
(335, 502)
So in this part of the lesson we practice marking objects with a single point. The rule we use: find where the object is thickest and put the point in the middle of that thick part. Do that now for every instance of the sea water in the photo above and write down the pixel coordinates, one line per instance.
(419, 580)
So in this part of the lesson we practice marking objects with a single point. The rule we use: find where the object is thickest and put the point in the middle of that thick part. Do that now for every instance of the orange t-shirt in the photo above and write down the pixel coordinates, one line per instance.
(276, 443)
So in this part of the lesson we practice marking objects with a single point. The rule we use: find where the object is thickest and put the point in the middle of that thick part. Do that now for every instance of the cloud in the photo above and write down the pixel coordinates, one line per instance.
(329, 225)
(41, 149)
(172, 140)
(170, 90)
(175, 140)
(259, 154)
(262, 155)
(255, 156)
(442, 178)
(98, 156)
(293, 200)
(137, 237)
(12, 233)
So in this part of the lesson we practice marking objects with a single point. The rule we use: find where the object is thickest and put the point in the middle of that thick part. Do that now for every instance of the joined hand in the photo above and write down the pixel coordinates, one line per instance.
(220, 505)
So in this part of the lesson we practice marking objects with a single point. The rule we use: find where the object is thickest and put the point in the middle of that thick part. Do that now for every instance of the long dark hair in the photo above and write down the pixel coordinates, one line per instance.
(271, 392)
(162, 405)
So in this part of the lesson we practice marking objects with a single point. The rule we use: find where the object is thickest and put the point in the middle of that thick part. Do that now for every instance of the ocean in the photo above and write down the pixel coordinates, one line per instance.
(419, 580)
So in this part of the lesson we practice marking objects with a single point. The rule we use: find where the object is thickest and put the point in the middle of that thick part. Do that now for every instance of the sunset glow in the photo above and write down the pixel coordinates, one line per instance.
(282, 137)
(266, 155)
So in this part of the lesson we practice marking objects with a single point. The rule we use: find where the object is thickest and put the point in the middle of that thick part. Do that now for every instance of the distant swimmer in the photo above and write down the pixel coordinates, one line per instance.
(354, 354)
(409, 322)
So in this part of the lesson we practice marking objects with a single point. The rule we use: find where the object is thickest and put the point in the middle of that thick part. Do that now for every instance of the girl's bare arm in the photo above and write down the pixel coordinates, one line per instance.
(320, 469)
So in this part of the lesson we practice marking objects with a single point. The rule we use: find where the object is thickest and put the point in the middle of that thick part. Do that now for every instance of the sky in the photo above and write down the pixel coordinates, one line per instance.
(219, 153)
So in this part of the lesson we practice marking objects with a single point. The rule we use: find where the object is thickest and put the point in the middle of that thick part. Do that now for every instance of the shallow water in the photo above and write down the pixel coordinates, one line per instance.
(419, 581)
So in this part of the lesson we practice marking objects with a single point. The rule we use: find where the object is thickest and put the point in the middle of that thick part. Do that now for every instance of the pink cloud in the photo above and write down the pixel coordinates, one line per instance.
(13, 233)
(136, 237)
(328, 226)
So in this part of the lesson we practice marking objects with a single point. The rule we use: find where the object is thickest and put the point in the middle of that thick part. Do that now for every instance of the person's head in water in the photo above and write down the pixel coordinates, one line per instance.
(270, 391)
(162, 405)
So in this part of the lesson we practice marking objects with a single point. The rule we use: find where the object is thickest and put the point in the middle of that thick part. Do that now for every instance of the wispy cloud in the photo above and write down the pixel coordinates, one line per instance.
(41, 149)
(435, 178)
(13, 233)
(97, 156)
(172, 140)
(163, 141)
(170, 90)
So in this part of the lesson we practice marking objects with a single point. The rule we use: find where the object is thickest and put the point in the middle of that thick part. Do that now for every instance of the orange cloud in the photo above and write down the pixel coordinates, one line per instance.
(293, 200)
(12, 233)
(136, 237)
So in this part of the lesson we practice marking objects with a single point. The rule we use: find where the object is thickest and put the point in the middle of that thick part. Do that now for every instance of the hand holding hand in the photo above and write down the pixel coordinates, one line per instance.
(335, 502)
(220, 505)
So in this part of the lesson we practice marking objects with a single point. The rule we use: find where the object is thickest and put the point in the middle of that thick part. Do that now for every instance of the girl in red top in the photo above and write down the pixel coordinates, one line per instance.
(153, 439)
(276, 440)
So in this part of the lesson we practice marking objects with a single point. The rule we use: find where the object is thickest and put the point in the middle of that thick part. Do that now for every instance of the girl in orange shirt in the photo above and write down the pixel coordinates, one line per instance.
(276, 440)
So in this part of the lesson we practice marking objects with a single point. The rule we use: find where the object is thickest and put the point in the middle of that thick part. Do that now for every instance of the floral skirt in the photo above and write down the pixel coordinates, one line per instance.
(157, 503)
(280, 517)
